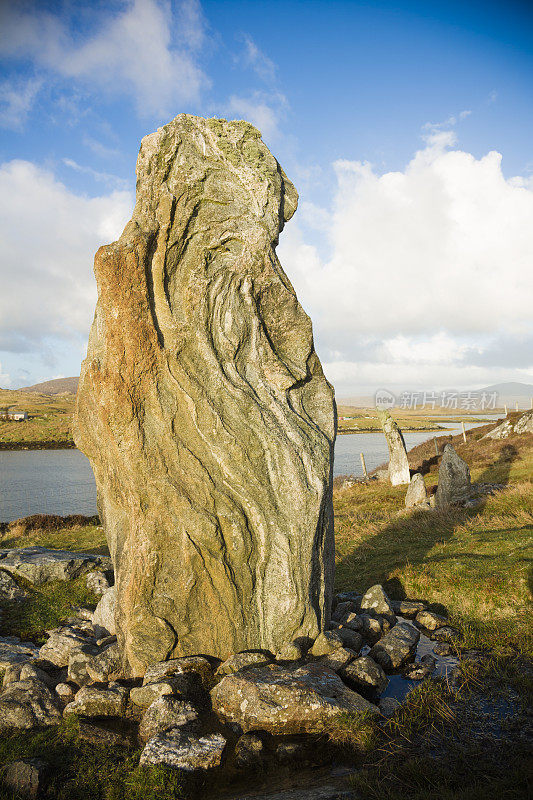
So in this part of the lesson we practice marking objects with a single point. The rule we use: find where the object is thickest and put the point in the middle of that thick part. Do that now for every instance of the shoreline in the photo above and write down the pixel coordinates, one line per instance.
(66, 445)
(378, 430)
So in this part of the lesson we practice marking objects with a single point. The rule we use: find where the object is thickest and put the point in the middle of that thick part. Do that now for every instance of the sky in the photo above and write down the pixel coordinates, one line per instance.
(405, 126)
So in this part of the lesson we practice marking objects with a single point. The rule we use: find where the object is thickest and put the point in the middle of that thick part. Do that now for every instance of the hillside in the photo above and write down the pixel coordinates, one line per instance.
(48, 424)
(53, 387)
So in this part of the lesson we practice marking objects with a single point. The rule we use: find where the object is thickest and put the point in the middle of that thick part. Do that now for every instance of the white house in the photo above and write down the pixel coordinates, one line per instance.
(18, 416)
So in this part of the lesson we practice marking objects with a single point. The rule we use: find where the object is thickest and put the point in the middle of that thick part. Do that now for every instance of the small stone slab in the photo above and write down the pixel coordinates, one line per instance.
(396, 647)
(9, 588)
(13, 651)
(61, 644)
(107, 665)
(27, 777)
(376, 601)
(167, 712)
(285, 700)
(416, 491)
(242, 661)
(180, 666)
(365, 672)
(28, 704)
(40, 564)
(180, 750)
(92, 701)
(429, 620)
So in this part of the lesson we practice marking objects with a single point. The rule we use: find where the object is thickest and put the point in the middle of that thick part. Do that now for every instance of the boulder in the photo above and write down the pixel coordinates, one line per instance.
(9, 588)
(337, 660)
(167, 712)
(13, 651)
(292, 651)
(407, 608)
(524, 424)
(350, 638)
(416, 491)
(388, 706)
(103, 617)
(204, 410)
(177, 749)
(398, 461)
(454, 485)
(27, 778)
(77, 664)
(30, 672)
(65, 692)
(284, 700)
(40, 564)
(396, 647)
(93, 701)
(28, 704)
(326, 643)
(249, 752)
(366, 673)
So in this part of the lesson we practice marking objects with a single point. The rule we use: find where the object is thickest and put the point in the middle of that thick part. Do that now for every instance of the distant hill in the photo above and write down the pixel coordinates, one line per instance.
(514, 390)
(56, 386)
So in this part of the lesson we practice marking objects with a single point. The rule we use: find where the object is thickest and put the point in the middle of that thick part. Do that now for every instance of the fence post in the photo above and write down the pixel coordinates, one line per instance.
(464, 432)
(365, 473)
(505, 407)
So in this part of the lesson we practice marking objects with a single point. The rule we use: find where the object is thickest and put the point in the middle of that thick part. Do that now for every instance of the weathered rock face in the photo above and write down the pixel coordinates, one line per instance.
(416, 491)
(398, 461)
(204, 410)
(524, 424)
(454, 480)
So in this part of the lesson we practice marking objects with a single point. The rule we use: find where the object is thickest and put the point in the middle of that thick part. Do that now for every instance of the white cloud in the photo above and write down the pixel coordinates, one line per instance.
(16, 100)
(100, 177)
(5, 379)
(261, 64)
(262, 109)
(48, 239)
(431, 266)
(142, 50)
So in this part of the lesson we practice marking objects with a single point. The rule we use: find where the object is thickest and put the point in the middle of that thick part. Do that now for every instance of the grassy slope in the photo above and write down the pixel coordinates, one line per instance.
(49, 418)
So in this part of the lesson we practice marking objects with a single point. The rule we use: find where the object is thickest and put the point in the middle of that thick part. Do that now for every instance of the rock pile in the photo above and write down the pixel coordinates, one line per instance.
(204, 410)
(254, 694)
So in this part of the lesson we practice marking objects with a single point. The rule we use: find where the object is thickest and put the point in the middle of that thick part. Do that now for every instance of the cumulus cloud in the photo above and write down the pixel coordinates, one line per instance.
(431, 267)
(261, 64)
(263, 109)
(49, 236)
(143, 49)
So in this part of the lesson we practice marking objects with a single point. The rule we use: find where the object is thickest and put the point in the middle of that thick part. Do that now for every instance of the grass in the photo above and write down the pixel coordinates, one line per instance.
(50, 419)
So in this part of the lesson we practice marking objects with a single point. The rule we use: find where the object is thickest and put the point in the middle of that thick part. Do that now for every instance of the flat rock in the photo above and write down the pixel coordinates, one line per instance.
(242, 661)
(13, 651)
(396, 647)
(366, 673)
(40, 564)
(167, 712)
(337, 660)
(27, 777)
(407, 608)
(204, 410)
(61, 644)
(181, 666)
(284, 701)
(92, 701)
(429, 620)
(28, 704)
(177, 749)
(177, 685)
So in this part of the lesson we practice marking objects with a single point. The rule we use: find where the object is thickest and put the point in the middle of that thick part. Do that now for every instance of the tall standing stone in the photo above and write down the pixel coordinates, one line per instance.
(398, 461)
(454, 485)
(204, 410)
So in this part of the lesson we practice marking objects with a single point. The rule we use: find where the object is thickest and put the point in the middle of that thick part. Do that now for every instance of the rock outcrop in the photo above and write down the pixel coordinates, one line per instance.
(204, 410)
(398, 461)
(454, 487)
(524, 424)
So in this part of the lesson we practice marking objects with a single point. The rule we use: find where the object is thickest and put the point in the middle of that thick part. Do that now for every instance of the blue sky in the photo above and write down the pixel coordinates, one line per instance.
(413, 243)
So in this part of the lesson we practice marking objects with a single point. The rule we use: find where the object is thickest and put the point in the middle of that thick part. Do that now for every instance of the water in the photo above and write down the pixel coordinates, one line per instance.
(62, 482)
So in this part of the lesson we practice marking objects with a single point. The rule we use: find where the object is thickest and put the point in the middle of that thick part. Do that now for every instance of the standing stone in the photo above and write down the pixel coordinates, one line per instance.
(416, 491)
(204, 410)
(454, 480)
(398, 461)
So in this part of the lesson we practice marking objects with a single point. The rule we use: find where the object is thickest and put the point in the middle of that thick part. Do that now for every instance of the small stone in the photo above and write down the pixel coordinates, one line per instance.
(351, 620)
(338, 659)
(98, 582)
(40, 564)
(377, 601)
(103, 617)
(12, 674)
(147, 694)
(396, 647)
(365, 672)
(249, 752)
(372, 627)
(65, 692)
(61, 643)
(326, 642)
(430, 620)
(289, 752)
(167, 712)
(446, 634)
(292, 651)
(416, 491)
(407, 608)
(346, 607)
(389, 706)
(417, 671)
(442, 649)
(9, 588)
(31, 672)
(241, 661)
(77, 664)
(350, 638)
(27, 778)
(107, 665)
(177, 749)
(105, 640)
(91, 701)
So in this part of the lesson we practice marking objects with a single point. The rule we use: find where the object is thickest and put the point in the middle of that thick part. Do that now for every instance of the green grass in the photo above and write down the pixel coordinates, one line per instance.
(50, 418)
